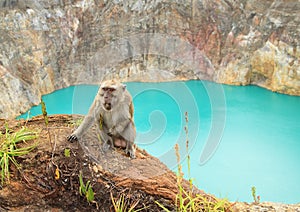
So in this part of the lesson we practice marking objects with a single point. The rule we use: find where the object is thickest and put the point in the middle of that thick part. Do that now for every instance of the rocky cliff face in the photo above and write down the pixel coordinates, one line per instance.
(47, 45)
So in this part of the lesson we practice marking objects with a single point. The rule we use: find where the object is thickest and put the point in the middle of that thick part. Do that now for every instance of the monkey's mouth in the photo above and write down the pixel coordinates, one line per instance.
(107, 106)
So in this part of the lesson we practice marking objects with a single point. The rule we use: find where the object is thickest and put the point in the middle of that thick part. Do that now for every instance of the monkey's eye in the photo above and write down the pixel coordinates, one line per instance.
(108, 89)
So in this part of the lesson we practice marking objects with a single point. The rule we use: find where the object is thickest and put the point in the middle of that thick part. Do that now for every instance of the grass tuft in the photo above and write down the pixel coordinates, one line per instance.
(9, 149)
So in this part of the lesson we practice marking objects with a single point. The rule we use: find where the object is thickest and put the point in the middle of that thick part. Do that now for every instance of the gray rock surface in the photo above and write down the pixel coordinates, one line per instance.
(48, 45)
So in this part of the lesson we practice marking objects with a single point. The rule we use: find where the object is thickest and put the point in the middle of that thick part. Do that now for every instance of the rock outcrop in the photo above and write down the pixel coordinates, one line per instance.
(48, 45)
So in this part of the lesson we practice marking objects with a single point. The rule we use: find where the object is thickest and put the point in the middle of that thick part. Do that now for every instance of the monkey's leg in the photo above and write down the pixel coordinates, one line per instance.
(107, 141)
(129, 135)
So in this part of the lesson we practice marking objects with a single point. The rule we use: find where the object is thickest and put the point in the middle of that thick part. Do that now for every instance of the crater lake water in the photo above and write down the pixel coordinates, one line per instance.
(246, 136)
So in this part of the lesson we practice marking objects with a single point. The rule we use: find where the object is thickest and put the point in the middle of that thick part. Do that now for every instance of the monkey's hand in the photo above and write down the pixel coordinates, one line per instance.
(73, 137)
(105, 146)
(116, 130)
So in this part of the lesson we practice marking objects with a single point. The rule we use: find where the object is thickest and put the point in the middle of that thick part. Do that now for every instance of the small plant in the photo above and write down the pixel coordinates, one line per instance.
(44, 112)
(86, 189)
(9, 149)
(75, 122)
(186, 200)
(67, 152)
(256, 199)
(123, 205)
(186, 129)
(45, 115)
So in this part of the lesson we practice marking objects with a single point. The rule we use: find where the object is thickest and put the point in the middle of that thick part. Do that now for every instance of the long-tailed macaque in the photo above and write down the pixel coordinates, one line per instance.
(112, 110)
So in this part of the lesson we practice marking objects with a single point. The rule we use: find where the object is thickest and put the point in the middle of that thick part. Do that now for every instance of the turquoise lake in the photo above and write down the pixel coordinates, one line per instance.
(239, 137)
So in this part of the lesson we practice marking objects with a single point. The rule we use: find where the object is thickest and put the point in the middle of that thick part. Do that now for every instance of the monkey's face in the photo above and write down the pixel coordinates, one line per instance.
(108, 97)
(110, 94)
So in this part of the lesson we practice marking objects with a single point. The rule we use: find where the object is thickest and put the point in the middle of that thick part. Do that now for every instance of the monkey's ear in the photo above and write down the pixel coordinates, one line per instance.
(124, 87)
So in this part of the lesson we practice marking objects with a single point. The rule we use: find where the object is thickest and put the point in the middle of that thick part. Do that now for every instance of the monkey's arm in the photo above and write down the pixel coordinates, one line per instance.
(86, 123)
(119, 128)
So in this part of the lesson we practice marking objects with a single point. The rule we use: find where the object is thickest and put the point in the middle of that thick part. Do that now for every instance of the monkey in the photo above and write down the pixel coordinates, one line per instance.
(112, 110)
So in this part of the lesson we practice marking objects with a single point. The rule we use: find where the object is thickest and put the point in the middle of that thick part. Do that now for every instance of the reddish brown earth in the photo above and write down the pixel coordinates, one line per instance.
(37, 187)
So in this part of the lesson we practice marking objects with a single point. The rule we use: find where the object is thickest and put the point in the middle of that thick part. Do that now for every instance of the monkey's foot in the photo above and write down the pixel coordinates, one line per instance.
(131, 153)
(105, 147)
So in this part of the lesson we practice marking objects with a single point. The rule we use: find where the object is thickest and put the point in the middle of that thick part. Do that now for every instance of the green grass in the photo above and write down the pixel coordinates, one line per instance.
(10, 149)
